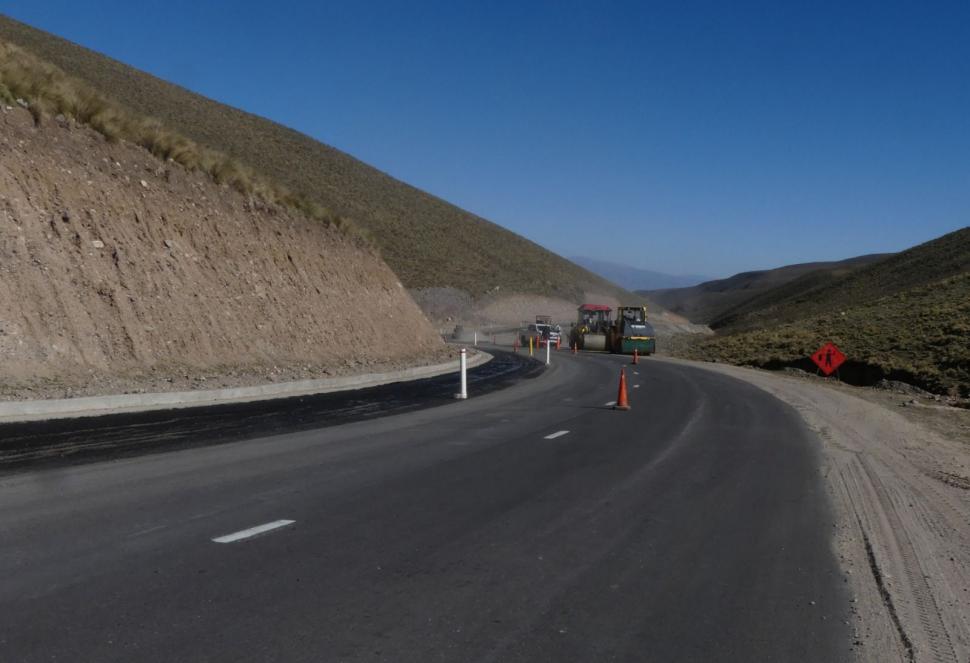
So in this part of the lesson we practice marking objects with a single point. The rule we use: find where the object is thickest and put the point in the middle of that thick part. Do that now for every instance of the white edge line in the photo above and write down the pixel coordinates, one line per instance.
(252, 531)
(553, 436)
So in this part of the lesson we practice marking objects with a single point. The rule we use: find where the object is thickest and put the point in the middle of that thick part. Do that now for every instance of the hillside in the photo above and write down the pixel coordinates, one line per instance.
(635, 278)
(121, 272)
(712, 300)
(428, 242)
(818, 292)
(906, 318)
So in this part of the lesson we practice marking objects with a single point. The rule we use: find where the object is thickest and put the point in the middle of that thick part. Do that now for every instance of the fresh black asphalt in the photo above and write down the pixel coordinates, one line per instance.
(70, 440)
(692, 528)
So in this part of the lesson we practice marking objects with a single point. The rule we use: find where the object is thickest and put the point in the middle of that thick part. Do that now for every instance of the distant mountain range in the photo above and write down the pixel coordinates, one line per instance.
(710, 301)
(634, 278)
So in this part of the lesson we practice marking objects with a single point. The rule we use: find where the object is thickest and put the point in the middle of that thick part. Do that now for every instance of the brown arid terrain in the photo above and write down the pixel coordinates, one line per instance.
(121, 272)
(897, 467)
(448, 307)
(428, 242)
(710, 301)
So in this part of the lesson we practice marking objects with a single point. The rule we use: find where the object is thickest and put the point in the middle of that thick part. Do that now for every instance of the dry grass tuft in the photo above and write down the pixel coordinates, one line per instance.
(917, 336)
(48, 92)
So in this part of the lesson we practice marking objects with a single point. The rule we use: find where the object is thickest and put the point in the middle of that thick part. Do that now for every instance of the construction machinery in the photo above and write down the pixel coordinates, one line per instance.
(597, 330)
(592, 330)
(631, 331)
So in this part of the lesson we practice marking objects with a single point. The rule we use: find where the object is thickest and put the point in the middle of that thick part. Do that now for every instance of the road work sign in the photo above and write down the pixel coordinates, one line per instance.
(828, 358)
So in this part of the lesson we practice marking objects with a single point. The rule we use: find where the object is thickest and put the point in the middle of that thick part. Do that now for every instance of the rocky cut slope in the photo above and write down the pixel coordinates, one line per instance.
(430, 243)
(119, 271)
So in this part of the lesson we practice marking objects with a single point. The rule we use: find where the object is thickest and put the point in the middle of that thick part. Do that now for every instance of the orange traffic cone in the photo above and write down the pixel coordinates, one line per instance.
(636, 356)
(621, 401)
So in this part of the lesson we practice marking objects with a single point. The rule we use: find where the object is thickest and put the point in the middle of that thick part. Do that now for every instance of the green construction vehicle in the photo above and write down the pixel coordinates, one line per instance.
(596, 329)
(631, 331)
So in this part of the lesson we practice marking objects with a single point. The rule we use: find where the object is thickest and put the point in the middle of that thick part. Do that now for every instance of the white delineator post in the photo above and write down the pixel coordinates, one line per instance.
(476, 339)
(548, 343)
(463, 369)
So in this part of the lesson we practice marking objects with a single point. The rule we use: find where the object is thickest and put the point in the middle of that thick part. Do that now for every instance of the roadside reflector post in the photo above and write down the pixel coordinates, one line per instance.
(636, 356)
(463, 369)
(547, 352)
(530, 345)
(476, 339)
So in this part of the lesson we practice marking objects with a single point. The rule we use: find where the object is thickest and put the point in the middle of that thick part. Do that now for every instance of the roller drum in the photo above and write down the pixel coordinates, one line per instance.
(594, 342)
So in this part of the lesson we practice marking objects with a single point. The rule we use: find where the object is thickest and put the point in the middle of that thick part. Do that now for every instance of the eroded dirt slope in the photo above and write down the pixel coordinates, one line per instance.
(120, 272)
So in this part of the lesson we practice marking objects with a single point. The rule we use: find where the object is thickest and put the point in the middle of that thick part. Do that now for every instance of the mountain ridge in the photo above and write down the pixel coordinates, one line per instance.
(706, 302)
(636, 278)
(427, 241)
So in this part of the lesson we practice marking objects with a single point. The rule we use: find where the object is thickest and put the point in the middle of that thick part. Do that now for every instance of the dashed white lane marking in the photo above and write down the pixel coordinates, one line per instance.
(252, 531)
(556, 434)
(146, 531)
(610, 403)
(636, 372)
(636, 386)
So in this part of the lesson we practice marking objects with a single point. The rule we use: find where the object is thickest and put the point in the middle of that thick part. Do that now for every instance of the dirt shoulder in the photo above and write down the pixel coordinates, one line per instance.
(897, 468)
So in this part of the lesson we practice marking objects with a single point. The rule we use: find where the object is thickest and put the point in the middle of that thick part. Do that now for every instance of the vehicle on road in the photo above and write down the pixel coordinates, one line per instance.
(592, 329)
(596, 329)
(542, 332)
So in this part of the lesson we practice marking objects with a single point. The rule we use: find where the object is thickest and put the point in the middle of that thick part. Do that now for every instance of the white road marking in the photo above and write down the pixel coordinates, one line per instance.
(252, 531)
(146, 531)
(636, 372)
(610, 403)
(636, 386)
(556, 434)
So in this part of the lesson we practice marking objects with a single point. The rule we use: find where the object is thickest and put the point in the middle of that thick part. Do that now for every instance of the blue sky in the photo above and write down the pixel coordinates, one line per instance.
(685, 137)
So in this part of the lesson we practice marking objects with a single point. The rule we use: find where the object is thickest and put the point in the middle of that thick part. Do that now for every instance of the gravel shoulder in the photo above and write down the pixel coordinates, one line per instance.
(899, 480)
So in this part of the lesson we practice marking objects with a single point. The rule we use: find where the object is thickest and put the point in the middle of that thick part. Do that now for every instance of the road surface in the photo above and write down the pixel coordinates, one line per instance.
(533, 523)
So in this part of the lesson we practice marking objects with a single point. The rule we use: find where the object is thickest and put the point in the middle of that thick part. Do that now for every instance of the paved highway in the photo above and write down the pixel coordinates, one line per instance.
(529, 524)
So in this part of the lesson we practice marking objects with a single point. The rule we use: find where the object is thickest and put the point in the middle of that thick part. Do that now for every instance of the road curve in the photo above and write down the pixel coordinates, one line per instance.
(528, 524)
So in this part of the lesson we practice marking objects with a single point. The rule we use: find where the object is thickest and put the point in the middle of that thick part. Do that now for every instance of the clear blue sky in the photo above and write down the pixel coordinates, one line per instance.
(686, 137)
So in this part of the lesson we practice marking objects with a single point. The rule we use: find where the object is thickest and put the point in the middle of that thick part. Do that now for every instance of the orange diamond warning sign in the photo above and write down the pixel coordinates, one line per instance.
(828, 358)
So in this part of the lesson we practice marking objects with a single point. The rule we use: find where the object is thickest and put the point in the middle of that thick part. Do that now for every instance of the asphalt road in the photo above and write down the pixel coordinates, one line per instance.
(529, 524)
(68, 441)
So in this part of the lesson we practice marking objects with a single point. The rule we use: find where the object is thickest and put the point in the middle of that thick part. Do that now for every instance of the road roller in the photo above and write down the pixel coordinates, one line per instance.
(596, 329)
(592, 330)
(631, 331)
